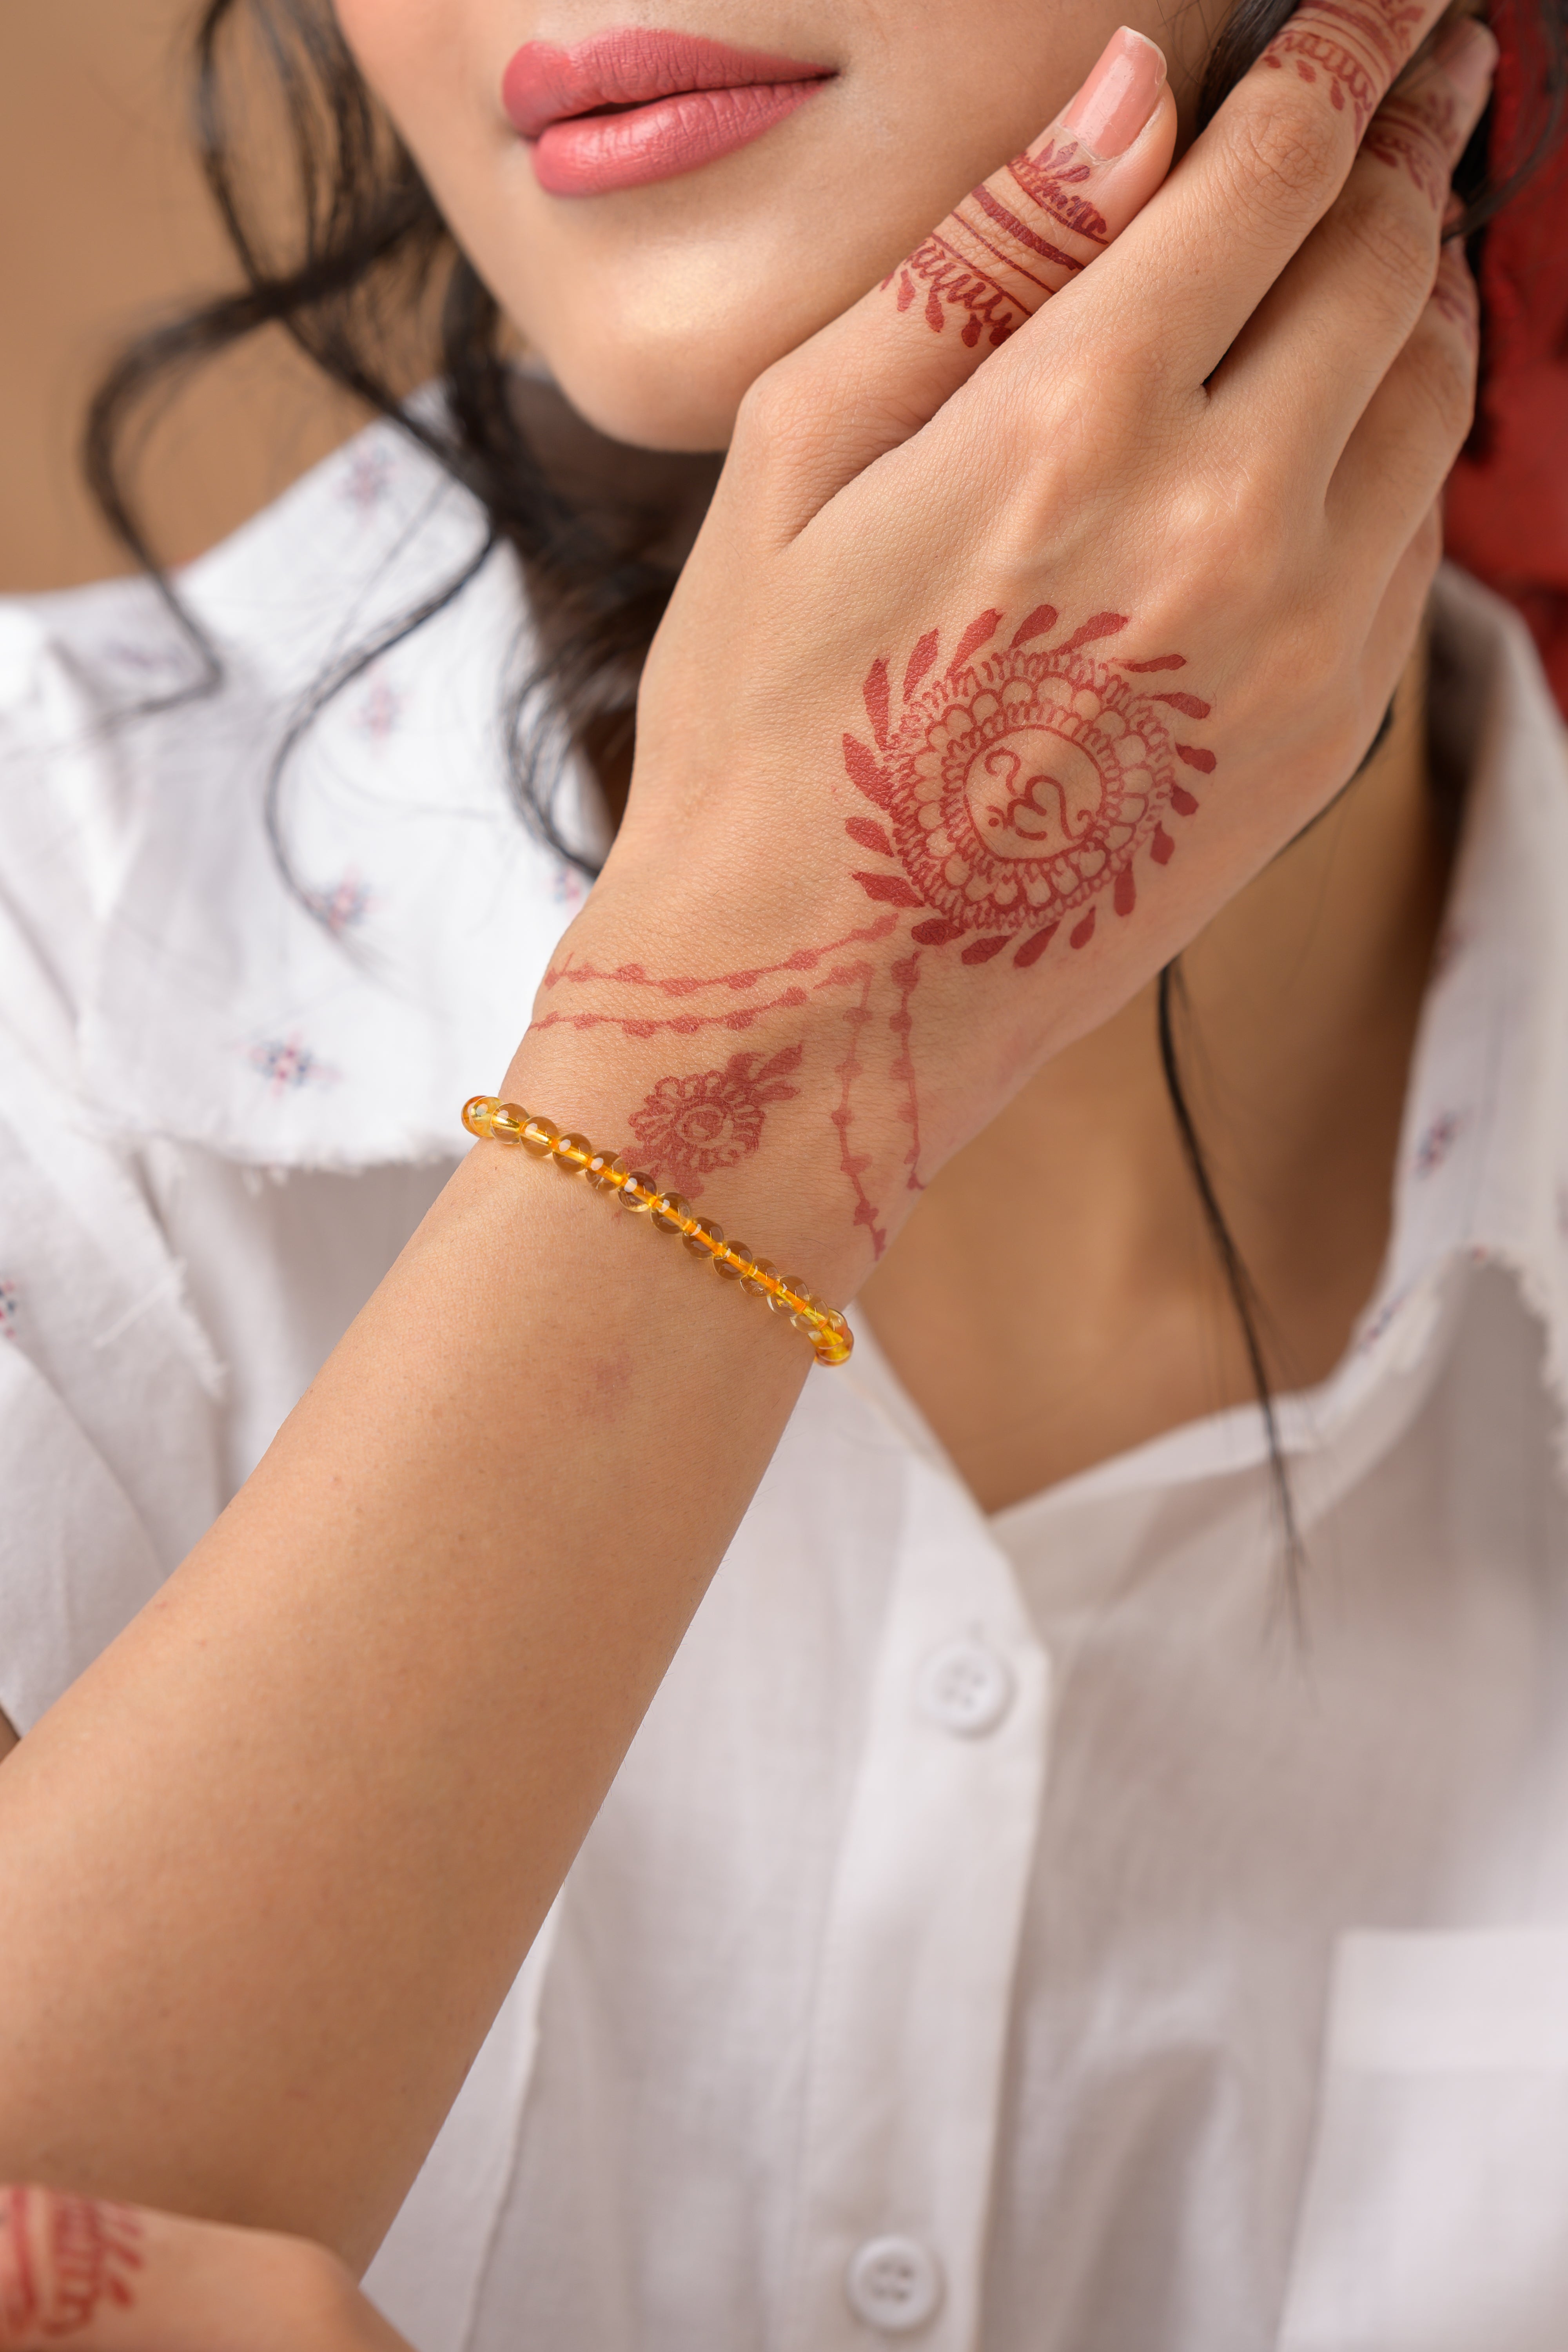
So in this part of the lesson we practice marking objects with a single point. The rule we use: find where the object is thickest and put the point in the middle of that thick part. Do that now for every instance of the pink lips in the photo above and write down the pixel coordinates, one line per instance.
(680, 102)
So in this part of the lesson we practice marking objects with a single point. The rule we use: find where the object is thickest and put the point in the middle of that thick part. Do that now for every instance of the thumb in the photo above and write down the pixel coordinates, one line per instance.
(886, 366)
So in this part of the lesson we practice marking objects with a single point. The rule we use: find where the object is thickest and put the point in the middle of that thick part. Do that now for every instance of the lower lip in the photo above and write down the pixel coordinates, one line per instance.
(593, 154)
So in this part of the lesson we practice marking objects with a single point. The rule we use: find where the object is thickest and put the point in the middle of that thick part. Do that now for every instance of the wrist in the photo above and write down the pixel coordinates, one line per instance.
(739, 1129)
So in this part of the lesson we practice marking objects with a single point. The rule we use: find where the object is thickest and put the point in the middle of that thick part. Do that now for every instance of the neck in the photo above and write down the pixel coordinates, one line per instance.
(1106, 1318)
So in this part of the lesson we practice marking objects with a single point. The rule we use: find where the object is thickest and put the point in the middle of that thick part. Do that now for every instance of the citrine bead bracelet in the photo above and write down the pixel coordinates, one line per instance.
(667, 1213)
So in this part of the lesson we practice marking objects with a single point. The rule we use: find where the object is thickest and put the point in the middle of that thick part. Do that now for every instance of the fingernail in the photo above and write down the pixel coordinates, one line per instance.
(1118, 97)
(1468, 53)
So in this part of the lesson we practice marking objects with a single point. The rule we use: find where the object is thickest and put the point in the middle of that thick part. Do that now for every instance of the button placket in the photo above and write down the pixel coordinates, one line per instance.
(909, 2028)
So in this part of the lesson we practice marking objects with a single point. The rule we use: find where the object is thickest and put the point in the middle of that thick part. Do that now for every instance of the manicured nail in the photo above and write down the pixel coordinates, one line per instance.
(1120, 94)
(1468, 53)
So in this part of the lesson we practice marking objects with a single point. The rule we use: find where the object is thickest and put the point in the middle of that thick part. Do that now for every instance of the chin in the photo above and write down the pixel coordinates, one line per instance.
(667, 365)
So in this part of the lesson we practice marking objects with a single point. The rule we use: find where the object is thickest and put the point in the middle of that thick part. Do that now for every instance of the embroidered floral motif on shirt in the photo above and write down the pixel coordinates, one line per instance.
(344, 907)
(287, 1064)
(380, 708)
(366, 476)
(1437, 1141)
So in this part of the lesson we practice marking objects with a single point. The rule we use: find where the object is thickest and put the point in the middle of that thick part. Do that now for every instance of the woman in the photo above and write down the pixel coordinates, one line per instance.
(958, 1951)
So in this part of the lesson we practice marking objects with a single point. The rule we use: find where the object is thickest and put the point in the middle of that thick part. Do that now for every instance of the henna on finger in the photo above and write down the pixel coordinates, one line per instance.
(1353, 48)
(1006, 249)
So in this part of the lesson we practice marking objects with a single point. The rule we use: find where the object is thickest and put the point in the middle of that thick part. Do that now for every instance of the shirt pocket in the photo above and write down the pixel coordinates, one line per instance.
(1436, 2215)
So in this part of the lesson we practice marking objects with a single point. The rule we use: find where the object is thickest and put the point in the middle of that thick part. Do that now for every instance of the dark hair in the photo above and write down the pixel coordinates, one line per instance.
(365, 251)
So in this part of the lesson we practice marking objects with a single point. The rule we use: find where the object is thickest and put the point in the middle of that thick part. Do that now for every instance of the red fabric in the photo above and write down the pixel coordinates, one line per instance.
(1507, 509)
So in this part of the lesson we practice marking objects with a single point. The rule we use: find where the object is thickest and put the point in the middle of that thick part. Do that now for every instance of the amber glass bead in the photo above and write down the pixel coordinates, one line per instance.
(671, 1212)
(807, 1322)
(573, 1153)
(638, 1192)
(732, 1261)
(782, 1306)
(833, 1339)
(507, 1121)
(706, 1239)
(540, 1137)
(759, 1266)
(607, 1170)
(477, 1112)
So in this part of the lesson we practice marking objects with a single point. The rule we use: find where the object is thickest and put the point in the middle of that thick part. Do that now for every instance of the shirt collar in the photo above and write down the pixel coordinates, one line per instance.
(346, 1030)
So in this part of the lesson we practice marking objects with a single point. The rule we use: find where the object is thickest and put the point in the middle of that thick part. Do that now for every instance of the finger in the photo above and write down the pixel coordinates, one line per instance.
(1417, 420)
(117, 2278)
(886, 366)
(1251, 191)
(1329, 330)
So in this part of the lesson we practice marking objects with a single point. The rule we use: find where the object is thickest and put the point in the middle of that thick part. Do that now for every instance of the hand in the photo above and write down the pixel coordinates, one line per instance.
(115, 2278)
(1015, 643)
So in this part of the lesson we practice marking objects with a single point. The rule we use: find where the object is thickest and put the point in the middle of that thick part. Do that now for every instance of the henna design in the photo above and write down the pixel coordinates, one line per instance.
(906, 972)
(1416, 134)
(1454, 292)
(1360, 52)
(987, 254)
(1019, 791)
(852, 1164)
(62, 2258)
(1011, 778)
(691, 1126)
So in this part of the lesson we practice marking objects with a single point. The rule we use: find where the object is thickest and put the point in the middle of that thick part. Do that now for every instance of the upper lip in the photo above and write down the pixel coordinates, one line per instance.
(546, 84)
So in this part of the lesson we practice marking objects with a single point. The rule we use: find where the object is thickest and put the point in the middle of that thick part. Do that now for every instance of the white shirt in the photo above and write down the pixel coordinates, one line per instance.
(1002, 1934)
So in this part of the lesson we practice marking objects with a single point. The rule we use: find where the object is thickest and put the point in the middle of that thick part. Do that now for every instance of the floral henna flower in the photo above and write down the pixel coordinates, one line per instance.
(1018, 789)
(690, 1127)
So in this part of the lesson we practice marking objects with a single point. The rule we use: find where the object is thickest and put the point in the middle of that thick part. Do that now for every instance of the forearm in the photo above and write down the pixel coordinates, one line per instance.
(271, 1864)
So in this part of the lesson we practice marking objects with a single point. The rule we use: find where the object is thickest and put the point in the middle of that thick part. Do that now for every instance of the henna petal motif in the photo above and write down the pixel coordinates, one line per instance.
(871, 779)
(892, 887)
(868, 833)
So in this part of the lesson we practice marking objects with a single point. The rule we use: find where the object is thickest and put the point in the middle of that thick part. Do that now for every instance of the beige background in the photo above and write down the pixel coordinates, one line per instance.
(103, 223)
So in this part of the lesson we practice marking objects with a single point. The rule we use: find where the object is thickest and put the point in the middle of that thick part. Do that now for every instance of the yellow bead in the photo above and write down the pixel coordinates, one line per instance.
(834, 1341)
(477, 1112)
(759, 1266)
(539, 1136)
(782, 1306)
(706, 1239)
(638, 1193)
(733, 1261)
(671, 1212)
(808, 1323)
(607, 1170)
(573, 1153)
(507, 1121)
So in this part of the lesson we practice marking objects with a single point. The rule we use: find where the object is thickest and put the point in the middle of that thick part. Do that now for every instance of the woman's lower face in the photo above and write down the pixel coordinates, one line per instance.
(656, 301)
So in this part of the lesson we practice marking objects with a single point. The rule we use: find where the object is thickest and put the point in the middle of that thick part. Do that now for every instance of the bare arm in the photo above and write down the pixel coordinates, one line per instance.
(270, 1868)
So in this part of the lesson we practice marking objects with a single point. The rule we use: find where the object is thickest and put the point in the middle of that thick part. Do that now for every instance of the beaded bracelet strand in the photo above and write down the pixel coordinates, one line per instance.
(668, 1212)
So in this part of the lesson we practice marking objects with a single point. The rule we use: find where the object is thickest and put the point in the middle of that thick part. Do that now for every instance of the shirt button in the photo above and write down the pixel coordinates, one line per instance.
(967, 1688)
(893, 2283)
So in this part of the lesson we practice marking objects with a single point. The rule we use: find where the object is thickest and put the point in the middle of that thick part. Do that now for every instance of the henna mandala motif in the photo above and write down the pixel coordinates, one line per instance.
(690, 1127)
(1018, 790)
(986, 255)
(61, 2259)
